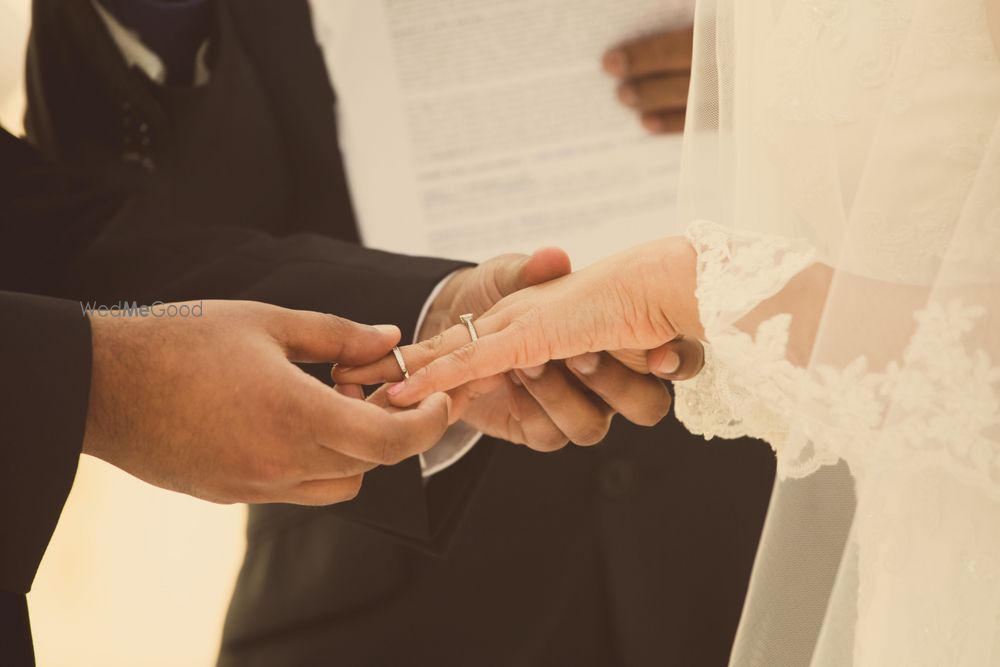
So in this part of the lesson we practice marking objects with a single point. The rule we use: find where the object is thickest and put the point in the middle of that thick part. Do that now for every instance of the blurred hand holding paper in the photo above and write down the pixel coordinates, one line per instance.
(475, 127)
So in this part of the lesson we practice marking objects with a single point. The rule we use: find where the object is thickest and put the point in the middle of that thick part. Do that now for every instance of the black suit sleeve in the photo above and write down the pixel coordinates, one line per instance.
(45, 354)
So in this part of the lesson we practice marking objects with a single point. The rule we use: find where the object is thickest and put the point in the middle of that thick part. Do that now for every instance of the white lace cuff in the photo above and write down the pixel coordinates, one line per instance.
(934, 404)
(738, 392)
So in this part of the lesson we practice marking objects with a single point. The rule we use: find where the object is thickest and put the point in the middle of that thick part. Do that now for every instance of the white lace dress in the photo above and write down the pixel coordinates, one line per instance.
(843, 163)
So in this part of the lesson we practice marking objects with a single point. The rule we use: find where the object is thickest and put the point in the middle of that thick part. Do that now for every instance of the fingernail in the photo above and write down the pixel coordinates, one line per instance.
(394, 388)
(516, 380)
(628, 95)
(669, 364)
(388, 329)
(586, 364)
(616, 62)
(534, 372)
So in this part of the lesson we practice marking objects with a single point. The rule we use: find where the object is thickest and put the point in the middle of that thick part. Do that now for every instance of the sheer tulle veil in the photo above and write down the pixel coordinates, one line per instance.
(842, 186)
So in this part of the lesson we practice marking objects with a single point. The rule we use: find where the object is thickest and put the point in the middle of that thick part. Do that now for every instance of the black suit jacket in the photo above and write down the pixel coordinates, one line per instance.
(45, 212)
(634, 552)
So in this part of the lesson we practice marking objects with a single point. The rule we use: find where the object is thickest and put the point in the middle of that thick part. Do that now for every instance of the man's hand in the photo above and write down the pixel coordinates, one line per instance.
(544, 406)
(214, 407)
(654, 74)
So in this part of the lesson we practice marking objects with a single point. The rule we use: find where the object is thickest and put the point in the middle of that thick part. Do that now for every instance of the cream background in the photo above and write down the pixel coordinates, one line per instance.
(134, 575)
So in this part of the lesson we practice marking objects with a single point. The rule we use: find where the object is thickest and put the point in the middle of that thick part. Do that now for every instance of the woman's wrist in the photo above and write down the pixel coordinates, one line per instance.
(677, 272)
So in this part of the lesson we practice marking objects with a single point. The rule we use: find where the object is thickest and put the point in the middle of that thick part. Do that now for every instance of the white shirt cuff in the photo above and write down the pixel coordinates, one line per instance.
(453, 445)
(460, 437)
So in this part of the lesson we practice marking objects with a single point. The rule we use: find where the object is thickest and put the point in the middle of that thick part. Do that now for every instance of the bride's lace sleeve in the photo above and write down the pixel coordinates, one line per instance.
(729, 398)
(941, 389)
(747, 383)
(848, 282)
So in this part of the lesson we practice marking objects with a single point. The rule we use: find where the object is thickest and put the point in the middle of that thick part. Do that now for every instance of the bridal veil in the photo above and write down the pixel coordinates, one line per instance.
(842, 181)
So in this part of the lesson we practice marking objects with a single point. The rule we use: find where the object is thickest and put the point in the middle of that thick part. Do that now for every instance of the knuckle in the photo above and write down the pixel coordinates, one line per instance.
(612, 385)
(433, 345)
(318, 324)
(384, 451)
(654, 411)
(592, 433)
(557, 442)
(351, 487)
(520, 329)
(465, 354)
(358, 440)
(464, 357)
(473, 392)
(395, 456)
(393, 447)
(331, 321)
(550, 441)
(421, 374)
(514, 432)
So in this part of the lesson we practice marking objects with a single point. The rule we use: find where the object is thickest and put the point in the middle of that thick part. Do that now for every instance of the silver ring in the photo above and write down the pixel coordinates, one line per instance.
(467, 321)
(399, 360)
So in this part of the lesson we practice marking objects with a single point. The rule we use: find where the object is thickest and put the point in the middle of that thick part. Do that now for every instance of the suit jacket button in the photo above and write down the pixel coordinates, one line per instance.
(618, 479)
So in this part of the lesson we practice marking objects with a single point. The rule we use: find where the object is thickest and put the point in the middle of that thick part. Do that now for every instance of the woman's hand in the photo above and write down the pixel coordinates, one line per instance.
(639, 299)
(544, 407)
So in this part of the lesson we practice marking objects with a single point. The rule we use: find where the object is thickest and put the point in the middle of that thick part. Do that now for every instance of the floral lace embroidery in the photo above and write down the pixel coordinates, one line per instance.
(725, 260)
(936, 405)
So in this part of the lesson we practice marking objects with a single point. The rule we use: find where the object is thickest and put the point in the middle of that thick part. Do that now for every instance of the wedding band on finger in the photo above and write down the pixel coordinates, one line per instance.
(402, 364)
(467, 321)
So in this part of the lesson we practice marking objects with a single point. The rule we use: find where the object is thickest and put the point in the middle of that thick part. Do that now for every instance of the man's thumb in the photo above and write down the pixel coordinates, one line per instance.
(540, 267)
(316, 337)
